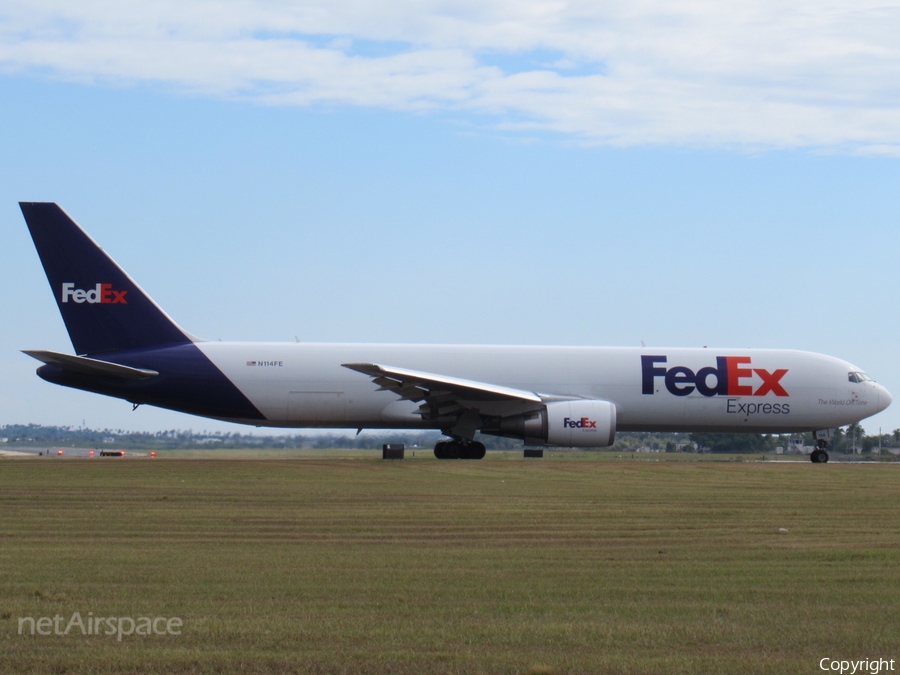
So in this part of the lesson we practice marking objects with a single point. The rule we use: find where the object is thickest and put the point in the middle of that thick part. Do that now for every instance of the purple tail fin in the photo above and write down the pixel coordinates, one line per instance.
(103, 308)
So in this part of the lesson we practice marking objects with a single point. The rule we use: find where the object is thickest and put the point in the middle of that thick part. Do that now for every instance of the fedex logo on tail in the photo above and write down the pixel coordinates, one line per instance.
(730, 377)
(100, 294)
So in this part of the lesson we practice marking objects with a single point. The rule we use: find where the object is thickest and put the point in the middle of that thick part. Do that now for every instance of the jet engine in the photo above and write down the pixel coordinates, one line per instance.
(580, 423)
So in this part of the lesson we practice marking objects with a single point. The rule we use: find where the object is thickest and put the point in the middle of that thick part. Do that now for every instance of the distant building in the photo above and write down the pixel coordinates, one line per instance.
(796, 447)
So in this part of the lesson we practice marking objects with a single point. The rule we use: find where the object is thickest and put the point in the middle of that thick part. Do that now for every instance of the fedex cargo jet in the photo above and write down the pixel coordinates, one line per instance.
(126, 346)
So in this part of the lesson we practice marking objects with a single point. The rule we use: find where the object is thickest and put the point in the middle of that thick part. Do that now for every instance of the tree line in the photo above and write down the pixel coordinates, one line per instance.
(36, 435)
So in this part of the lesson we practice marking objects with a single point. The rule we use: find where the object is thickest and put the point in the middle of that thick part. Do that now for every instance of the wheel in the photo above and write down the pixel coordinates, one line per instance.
(439, 450)
(474, 450)
(447, 450)
(818, 457)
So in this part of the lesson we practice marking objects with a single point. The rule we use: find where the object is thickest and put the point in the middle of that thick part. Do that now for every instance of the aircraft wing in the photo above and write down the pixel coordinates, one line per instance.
(82, 364)
(443, 396)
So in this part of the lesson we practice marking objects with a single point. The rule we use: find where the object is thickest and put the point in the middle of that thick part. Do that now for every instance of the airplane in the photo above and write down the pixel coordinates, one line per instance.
(127, 347)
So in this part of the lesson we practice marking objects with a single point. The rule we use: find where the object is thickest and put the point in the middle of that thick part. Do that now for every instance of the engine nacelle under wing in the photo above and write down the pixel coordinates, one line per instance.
(579, 423)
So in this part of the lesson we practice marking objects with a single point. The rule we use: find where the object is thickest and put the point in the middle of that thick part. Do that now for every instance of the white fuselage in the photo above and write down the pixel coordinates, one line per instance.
(769, 390)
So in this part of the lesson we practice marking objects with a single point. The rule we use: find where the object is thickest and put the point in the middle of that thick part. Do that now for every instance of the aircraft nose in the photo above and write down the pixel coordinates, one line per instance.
(884, 398)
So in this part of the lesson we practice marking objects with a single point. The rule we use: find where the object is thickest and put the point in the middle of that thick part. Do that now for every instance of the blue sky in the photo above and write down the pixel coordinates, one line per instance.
(250, 212)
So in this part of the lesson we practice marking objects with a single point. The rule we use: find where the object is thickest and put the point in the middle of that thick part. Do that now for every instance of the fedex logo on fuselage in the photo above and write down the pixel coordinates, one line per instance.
(101, 294)
(731, 378)
(583, 423)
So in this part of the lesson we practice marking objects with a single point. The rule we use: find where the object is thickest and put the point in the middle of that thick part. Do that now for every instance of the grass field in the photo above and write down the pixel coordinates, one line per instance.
(363, 566)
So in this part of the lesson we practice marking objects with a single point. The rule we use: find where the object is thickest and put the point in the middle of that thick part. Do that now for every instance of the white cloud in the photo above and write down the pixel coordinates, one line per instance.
(746, 73)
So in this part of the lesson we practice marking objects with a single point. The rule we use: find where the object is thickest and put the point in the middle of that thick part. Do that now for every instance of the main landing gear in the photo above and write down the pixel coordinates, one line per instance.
(819, 456)
(459, 449)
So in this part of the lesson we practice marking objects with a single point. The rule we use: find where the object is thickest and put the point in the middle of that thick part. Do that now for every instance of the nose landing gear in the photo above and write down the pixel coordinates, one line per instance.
(459, 449)
(819, 456)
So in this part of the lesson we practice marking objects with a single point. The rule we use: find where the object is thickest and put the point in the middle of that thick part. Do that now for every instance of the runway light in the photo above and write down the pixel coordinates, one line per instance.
(90, 453)
(153, 453)
(59, 452)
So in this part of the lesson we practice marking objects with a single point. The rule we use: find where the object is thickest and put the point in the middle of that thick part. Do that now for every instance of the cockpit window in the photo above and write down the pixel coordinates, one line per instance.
(858, 376)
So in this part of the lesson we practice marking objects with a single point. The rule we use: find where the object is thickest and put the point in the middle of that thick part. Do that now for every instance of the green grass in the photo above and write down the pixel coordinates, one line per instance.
(354, 565)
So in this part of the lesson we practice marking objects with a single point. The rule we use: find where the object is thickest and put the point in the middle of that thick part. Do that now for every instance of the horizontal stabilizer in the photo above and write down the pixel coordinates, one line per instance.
(81, 364)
